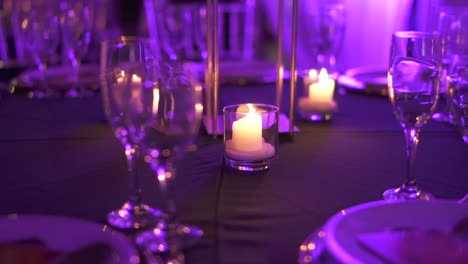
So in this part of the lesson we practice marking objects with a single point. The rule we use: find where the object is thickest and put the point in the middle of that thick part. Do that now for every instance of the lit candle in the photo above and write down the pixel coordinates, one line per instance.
(320, 93)
(247, 142)
(247, 131)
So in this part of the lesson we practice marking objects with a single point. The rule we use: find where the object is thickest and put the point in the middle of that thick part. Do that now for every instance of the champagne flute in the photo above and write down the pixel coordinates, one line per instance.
(116, 55)
(413, 85)
(176, 114)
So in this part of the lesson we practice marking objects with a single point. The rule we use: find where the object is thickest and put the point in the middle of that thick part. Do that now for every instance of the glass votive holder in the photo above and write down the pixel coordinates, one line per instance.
(250, 136)
(316, 102)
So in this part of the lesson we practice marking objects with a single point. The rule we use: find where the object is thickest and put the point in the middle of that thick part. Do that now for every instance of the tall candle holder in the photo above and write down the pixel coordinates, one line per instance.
(212, 121)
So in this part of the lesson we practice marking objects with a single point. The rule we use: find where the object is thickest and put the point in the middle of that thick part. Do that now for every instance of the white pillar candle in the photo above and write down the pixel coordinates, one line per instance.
(247, 131)
(322, 91)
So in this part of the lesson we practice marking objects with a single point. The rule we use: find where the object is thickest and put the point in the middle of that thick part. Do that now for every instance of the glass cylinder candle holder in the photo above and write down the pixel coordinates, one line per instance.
(317, 103)
(250, 136)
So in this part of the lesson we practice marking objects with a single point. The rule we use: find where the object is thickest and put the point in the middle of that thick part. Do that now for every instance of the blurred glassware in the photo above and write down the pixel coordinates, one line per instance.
(457, 94)
(4, 47)
(175, 27)
(235, 30)
(76, 31)
(116, 56)
(413, 88)
(40, 34)
(326, 30)
(181, 29)
(10, 67)
(175, 115)
(104, 22)
(455, 45)
(449, 23)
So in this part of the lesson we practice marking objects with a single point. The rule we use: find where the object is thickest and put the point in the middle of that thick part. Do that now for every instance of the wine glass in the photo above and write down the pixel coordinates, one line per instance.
(457, 77)
(413, 85)
(457, 86)
(116, 55)
(76, 32)
(176, 114)
(450, 27)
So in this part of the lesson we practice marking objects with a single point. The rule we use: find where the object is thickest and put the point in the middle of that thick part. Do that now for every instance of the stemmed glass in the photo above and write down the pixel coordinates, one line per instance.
(76, 32)
(457, 94)
(176, 114)
(117, 54)
(413, 85)
(456, 42)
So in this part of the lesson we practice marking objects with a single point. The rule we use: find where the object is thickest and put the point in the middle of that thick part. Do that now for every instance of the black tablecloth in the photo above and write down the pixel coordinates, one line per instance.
(59, 156)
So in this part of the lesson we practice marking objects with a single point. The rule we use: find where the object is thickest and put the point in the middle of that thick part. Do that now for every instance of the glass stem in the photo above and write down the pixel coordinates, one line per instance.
(165, 173)
(412, 140)
(132, 154)
(42, 67)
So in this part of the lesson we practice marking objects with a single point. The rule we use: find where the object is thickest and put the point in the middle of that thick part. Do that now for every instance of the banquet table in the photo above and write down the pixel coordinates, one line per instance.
(59, 157)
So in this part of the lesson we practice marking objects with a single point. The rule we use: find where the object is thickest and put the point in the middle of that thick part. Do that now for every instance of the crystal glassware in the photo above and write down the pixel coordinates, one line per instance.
(413, 85)
(116, 56)
(176, 111)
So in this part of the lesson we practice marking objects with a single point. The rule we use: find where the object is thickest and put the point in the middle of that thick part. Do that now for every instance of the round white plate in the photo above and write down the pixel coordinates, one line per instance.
(343, 229)
(65, 235)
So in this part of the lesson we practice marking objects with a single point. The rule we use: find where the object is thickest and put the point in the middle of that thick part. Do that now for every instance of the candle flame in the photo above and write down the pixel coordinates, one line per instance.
(198, 107)
(120, 78)
(313, 74)
(136, 78)
(251, 109)
(323, 76)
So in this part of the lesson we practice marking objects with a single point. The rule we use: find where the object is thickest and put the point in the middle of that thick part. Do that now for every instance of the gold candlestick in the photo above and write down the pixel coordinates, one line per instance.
(293, 66)
(279, 57)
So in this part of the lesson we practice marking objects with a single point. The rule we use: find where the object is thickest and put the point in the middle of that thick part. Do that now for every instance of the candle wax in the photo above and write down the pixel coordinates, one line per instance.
(247, 133)
(266, 151)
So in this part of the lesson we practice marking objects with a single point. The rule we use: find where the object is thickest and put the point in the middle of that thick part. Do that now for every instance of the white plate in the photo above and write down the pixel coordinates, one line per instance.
(60, 78)
(342, 230)
(64, 235)
(365, 79)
